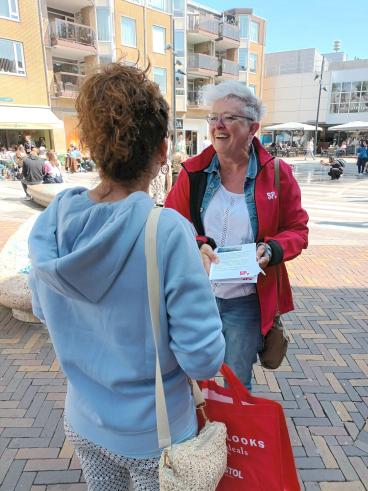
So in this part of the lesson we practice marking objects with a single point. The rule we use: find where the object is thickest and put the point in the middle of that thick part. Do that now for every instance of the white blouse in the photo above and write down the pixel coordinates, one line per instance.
(227, 221)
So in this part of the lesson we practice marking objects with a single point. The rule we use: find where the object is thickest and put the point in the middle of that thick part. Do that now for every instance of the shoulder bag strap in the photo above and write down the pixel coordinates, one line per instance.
(153, 283)
(278, 187)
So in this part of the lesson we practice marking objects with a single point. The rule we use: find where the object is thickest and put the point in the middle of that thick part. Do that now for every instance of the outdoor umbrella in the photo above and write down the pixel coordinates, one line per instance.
(291, 127)
(352, 126)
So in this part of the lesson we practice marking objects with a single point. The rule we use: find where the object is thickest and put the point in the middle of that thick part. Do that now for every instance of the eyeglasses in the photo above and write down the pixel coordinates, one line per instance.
(227, 119)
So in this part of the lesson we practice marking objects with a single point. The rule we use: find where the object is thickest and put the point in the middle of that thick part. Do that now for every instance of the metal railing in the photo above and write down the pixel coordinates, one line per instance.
(197, 22)
(200, 60)
(228, 67)
(229, 31)
(195, 98)
(67, 84)
(70, 31)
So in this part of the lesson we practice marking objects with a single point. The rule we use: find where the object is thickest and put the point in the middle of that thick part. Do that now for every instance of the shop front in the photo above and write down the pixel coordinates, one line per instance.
(16, 122)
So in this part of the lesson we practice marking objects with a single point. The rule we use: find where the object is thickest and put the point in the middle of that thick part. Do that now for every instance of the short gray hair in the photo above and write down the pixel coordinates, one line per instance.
(253, 106)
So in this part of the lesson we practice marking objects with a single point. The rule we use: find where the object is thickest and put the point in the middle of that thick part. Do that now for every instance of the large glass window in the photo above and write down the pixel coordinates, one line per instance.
(253, 62)
(254, 31)
(104, 24)
(179, 43)
(128, 32)
(244, 25)
(158, 39)
(253, 88)
(179, 8)
(349, 97)
(160, 77)
(11, 57)
(157, 4)
(9, 9)
(243, 58)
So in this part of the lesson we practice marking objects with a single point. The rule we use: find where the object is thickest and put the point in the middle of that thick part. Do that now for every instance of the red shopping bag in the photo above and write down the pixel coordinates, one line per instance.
(259, 449)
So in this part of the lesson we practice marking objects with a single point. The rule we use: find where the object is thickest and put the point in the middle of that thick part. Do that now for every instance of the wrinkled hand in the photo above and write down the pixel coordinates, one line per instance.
(262, 256)
(208, 257)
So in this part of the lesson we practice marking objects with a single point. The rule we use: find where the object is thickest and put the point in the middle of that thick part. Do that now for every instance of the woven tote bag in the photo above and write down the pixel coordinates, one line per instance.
(197, 464)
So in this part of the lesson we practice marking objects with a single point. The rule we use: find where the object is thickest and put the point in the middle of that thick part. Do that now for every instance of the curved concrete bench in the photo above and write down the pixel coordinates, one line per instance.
(14, 290)
(43, 194)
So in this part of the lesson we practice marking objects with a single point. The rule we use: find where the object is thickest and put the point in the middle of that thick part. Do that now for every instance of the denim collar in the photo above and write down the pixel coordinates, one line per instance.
(252, 166)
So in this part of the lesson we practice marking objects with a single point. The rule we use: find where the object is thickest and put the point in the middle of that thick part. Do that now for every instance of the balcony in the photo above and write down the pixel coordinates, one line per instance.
(201, 28)
(196, 99)
(67, 80)
(228, 36)
(69, 5)
(228, 69)
(199, 64)
(71, 40)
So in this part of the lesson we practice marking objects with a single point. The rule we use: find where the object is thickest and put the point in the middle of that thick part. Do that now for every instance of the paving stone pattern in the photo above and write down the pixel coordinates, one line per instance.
(323, 385)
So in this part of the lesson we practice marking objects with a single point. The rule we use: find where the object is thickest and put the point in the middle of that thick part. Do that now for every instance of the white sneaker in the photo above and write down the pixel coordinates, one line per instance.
(27, 198)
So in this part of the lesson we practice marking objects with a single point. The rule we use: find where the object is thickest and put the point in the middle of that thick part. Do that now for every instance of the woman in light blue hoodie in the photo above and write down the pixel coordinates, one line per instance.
(89, 287)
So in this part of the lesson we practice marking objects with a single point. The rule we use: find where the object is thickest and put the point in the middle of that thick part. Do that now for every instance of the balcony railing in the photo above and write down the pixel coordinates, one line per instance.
(202, 61)
(227, 67)
(67, 84)
(197, 22)
(229, 31)
(195, 98)
(62, 30)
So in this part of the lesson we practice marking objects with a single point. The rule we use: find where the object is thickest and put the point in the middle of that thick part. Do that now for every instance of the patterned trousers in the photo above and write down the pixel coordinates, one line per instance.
(106, 471)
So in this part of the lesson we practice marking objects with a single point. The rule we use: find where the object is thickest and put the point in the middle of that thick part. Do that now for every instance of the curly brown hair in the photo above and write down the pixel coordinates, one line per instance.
(123, 118)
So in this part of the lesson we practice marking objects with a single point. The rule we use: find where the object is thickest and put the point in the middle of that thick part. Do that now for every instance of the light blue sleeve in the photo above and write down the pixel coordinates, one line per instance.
(36, 306)
(195, 327)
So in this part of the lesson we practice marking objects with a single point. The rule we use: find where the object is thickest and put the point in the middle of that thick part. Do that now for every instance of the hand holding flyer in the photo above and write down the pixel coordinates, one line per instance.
(237, 264)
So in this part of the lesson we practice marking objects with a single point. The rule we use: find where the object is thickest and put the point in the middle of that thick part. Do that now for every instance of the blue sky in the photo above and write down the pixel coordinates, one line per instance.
(296, 24)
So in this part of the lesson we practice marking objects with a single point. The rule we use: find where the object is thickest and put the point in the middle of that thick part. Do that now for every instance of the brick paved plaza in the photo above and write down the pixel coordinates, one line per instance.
(323, 386)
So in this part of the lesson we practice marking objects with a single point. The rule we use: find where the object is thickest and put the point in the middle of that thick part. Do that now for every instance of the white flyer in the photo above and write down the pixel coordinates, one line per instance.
(237, 264)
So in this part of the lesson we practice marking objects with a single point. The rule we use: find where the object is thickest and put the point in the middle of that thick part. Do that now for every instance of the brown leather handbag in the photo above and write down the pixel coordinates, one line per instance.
(276, 340)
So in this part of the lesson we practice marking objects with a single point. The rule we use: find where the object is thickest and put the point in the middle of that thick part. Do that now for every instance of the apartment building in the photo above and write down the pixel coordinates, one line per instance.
(212, 46)
(24, 98)
(48, 46)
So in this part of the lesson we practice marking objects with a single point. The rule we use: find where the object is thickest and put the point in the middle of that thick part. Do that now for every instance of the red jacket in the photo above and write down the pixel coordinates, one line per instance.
(282, 222)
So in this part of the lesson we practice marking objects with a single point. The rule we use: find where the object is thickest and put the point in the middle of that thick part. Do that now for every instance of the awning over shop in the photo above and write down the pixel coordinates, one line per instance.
(28, 118)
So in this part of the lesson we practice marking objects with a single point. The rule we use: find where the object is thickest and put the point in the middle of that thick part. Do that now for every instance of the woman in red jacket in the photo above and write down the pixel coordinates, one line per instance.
(228, 192)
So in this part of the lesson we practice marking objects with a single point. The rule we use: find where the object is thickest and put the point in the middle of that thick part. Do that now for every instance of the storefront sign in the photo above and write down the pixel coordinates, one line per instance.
(6, 99)
(179, 123)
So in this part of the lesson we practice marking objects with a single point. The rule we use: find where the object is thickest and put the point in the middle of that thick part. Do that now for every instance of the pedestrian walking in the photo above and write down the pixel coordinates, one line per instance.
(33, 171)
(362, 157)
(310, 149)
(228, 192)
(89, 286)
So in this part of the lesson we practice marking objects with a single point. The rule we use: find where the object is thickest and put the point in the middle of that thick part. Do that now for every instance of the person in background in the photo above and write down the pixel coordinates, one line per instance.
(362, 157)
(52, 169)
(89, 286)
(311, 149)
(33, 171)
(28, 144)
(75, 159)
(228, 193)
(180, 144)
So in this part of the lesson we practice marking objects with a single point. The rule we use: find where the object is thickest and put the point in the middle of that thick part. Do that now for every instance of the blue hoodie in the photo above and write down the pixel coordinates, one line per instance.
(89, 286)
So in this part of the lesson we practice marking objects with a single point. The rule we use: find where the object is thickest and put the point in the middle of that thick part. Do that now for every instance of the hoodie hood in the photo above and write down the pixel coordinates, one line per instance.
(75, 242)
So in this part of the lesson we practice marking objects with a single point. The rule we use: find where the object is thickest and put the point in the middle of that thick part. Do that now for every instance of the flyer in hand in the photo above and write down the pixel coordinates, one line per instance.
(237, 264)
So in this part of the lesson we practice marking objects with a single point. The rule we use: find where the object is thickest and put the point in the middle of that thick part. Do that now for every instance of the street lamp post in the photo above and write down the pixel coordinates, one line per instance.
(172, 47)
(318, 104)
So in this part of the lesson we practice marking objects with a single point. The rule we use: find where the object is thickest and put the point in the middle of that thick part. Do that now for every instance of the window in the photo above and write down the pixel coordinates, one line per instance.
(158, 39)
(349, 97)
(159, 76)
(9, 9)
(243, 58)
(179, 8)
(157, 4)
(253, 62)
(105, 59)
(128, 32)
(11, 57)
(179, 43)
(103, 24)
(243, 24)
(254, 31)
